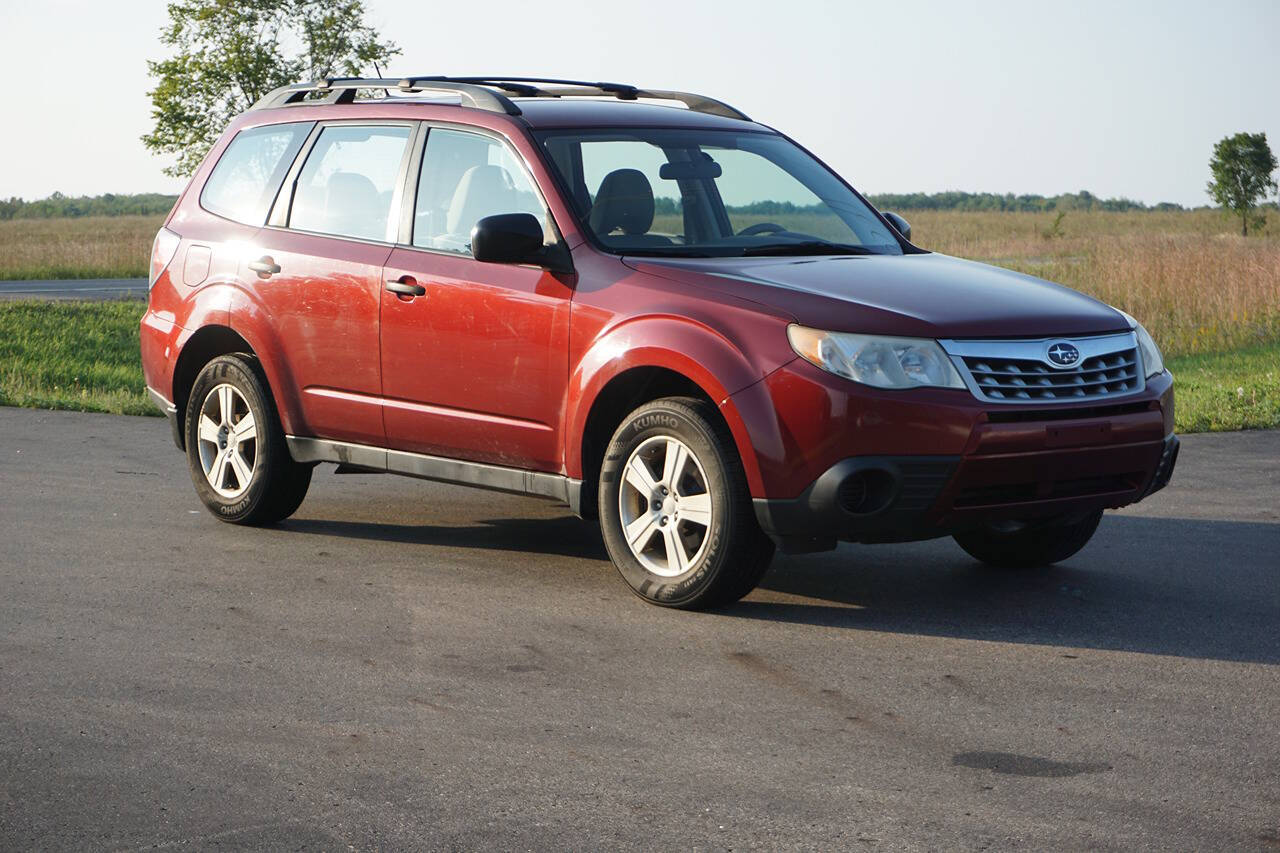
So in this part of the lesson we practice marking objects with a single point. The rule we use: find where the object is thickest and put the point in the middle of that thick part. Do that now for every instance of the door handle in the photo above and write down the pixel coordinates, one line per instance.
(264, 266)
(405, 286)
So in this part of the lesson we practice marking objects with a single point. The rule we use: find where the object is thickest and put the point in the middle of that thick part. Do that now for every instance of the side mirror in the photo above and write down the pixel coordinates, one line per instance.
(903, 226)
(515, 238)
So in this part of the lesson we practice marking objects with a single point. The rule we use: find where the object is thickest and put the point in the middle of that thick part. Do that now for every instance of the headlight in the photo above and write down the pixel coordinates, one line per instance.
(874, 360)
(1152, 360)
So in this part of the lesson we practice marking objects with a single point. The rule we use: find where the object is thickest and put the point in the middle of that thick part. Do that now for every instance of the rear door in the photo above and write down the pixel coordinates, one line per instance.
(476, 366)
(320, 278)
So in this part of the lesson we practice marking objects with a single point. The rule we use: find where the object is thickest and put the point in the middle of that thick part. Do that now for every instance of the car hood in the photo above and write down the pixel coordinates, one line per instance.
(922, 295)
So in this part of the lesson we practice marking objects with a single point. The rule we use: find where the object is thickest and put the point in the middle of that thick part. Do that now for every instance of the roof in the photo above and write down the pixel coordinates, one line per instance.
(541, 102)
(544, 113)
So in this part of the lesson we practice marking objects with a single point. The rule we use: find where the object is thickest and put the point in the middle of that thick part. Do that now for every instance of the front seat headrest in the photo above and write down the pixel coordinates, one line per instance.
(483, 191)
(624, 201)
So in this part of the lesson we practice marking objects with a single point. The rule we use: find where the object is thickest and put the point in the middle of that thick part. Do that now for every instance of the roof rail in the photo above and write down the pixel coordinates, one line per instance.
(525, 87)
(486, 93)
(342, 90)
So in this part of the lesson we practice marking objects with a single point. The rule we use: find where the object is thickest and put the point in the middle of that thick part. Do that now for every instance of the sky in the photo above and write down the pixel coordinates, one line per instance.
(1119, 98)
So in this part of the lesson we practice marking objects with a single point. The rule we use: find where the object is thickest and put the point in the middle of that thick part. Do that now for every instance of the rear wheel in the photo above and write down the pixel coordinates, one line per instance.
(236, 450)
(1026, 545)
(675, 510)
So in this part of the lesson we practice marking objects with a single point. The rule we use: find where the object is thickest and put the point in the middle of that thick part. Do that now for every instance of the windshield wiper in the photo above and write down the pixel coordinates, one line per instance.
(806, 247)
(657, 252)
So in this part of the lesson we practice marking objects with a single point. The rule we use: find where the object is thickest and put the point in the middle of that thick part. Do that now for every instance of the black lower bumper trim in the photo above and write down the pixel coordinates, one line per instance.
(886, 502)
(170, 412)
(1164, 471)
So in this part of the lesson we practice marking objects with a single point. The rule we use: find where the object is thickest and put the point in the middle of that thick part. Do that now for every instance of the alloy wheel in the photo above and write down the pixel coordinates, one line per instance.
(665, 506)
(228, 441)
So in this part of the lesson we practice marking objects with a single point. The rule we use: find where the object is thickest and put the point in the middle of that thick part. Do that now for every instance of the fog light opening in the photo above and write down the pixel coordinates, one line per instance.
(866, 492)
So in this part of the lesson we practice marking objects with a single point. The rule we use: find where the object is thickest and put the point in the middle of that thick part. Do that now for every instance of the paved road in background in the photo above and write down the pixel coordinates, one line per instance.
(411, 665)
(95, 288)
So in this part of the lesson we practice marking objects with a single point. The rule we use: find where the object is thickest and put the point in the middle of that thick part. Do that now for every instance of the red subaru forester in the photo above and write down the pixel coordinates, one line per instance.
(643, 304)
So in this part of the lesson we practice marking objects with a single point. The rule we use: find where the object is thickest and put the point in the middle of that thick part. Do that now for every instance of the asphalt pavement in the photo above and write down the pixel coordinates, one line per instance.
(409, 665)
(93, 289)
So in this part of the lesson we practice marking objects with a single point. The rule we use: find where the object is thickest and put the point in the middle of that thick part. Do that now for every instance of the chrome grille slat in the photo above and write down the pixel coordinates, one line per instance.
(1016, 371)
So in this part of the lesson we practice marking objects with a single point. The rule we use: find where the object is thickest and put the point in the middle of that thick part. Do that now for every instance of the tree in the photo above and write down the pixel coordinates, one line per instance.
(1241, 168)
(229, 53)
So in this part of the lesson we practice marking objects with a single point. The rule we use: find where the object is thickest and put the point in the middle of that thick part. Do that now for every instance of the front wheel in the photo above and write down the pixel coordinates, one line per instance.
(675, 510)
(236, 450)
(1029, 545)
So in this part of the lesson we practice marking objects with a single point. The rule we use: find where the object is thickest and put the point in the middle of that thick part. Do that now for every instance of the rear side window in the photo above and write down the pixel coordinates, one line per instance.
(248, 175)
(347, 186)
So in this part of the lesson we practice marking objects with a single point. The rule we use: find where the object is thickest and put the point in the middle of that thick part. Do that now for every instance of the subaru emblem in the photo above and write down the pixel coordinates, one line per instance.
(1062, 354)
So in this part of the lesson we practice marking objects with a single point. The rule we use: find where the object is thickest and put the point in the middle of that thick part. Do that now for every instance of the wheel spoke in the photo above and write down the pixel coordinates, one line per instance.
(217, 469)
(640, 531)
(676, 457)
(696, 509)
(677, 559)
(246, 428)
(239, 467)
(226, 404)
(208, 429)
(639, 477)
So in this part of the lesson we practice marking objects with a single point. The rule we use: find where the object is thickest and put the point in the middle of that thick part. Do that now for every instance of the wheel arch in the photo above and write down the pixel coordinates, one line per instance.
(643, 368)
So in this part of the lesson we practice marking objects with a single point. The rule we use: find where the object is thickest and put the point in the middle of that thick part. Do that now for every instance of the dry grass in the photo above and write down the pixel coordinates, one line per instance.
(88, 247)
(1188, 276)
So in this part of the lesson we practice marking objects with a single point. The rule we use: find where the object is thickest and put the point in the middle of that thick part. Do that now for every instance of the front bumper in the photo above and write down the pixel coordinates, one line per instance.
(934, 461)
(905, 498)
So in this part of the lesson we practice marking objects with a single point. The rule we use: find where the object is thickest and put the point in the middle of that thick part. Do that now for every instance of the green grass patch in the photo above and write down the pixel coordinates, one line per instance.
(1226, 391)
(83, 356)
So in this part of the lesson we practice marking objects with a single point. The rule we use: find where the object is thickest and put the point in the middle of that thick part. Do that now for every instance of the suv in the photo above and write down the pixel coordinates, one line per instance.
(671, 318)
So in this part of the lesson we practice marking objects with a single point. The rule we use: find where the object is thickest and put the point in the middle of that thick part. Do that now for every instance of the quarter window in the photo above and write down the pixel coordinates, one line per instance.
(245, 181)
(347, 186)
(464, 178)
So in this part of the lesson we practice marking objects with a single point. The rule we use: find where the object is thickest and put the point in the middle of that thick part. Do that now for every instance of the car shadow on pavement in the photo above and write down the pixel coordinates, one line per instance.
(1188, 588)
(566, 536)
(1181, 587)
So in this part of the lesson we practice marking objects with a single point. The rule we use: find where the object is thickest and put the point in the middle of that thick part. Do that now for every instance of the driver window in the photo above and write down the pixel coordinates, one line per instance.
(464, 178)
(632, 169)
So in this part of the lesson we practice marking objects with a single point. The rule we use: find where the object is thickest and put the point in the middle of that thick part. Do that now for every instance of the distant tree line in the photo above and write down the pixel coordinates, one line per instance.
(111, 204)
(953, 200)
(156, 204)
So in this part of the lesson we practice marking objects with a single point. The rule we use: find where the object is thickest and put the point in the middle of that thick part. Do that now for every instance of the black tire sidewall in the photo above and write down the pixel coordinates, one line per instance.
(668, 418)
(238, 373)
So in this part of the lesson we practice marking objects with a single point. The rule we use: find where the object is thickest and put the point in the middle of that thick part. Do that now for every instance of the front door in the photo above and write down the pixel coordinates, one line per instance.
(475, 367)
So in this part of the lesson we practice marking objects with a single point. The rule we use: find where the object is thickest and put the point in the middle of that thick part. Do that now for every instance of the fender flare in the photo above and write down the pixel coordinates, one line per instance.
(250, 320)
(704, 357)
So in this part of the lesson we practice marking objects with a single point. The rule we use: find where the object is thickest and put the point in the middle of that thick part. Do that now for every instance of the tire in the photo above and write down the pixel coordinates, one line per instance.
(1032, 545)
(241, 469)
(709, 550)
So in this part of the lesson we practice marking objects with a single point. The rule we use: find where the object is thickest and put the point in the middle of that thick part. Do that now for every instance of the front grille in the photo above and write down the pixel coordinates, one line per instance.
(1022, 380)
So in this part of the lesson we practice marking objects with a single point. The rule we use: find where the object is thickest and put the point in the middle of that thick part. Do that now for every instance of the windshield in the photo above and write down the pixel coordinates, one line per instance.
(710, 193)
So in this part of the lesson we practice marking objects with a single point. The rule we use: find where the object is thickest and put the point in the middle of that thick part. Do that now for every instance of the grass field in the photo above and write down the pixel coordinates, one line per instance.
(1210, 298)
(87, 247)
(83, 356)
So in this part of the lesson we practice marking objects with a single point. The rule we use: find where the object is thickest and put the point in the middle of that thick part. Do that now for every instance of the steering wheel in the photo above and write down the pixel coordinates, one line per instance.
(761, 228)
